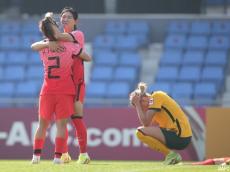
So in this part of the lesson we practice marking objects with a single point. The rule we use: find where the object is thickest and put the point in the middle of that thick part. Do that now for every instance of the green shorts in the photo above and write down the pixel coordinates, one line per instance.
(173, 141)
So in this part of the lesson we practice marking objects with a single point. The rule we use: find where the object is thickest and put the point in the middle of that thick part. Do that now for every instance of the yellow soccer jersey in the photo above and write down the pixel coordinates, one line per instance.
(169, 115)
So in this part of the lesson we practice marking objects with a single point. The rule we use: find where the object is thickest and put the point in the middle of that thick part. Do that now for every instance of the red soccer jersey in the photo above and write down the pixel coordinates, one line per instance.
(78, 67)
(58, 72)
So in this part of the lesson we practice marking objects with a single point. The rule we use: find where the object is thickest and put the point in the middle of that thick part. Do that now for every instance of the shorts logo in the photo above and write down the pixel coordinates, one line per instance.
(151, 101)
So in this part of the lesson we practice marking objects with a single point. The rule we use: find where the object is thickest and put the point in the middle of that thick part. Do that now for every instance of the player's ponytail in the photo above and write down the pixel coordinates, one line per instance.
(45, 26)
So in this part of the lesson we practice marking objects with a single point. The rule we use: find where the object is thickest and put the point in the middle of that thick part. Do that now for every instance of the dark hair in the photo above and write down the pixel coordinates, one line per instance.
(72, 11)
(45, 26)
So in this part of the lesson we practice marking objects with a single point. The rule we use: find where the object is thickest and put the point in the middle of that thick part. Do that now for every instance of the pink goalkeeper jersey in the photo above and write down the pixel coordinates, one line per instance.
(78, 67)
(58, 72)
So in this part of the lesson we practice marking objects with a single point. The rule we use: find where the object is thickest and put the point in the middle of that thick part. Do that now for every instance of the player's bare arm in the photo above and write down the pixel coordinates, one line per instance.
(84, 56)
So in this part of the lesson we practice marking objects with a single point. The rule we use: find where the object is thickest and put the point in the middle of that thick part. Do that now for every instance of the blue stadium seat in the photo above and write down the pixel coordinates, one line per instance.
(179, 27)
(193, 57)
(216, 57)
(106, 58)
(205, 93)
(137, 27)
(125, 74)
(102, 73)
(118, 90)
(200, 27)
(169, 74)
(128, 42)
(116, 27)
(221, 27)
(197, 42)
(162, 86)
(7, 89)
(142, 39)
(34, 58)
(219, 43)
(96, 89)
(10, 27)
(10, 42)
(14, 73)
(213, 74)
(34, 72)
(17, 57)
(3, 57)
(182, 92)
(28, 39)
(104, 41)
(30, 27)
(175, 41)
(171, 57)
(189, 74)
(130, 59)
(27, 89)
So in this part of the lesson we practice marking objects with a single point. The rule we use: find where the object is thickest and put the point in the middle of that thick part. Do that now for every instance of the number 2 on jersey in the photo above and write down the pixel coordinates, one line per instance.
(57, 65)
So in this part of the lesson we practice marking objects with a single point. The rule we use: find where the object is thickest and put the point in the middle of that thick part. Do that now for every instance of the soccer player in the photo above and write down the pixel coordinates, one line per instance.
(57, 92)
(69, 19)
(164, 125)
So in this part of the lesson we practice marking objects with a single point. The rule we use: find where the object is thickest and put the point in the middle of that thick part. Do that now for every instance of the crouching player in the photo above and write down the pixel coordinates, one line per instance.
(57, 93)
(165, 127)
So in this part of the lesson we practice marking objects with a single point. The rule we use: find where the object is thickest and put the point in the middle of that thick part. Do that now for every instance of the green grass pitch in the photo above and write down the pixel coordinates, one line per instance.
(102, 166)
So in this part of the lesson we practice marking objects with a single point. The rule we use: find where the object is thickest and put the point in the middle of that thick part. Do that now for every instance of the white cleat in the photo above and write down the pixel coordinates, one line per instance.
(58, 161)
(35, 159)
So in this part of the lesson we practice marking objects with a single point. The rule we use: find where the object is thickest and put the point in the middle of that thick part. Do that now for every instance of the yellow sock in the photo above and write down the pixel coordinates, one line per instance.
(152, 143)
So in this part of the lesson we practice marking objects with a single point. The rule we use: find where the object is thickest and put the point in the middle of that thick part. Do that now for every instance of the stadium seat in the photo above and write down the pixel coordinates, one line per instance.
(30, 26)
(27, 89)
(104, 41)
(205, 93)
(160, 86)
(34, 58)
(182, 92)
(130, 59)
(7, 89)
(137, 27)
(106, 58)
(125, 43)
(125, 74)
(102, 73)
(169, 74)
(118, 90)
(219, 43)
(171, 57)
(197, 42)
(216, 58)
(28, 39)
(189, 74)
(3, 57)
(14, 73)
(193, 57)
(221, 27)
(116, 27)
(10, 27)
(34, 72)
(17, 57)
(175, 41)
(10, 42)
(181, 27)
(96, 89)
(200, 27)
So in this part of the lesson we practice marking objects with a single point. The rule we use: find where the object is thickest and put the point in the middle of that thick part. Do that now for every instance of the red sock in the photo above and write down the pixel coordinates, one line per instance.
(205, 162)
(59, 146)
(81, 133)
(38, 145)
(65, 148)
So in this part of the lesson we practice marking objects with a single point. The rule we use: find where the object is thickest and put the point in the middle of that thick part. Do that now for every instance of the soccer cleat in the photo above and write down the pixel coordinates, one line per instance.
(66, 158)
(83, 159)
(172, 158)
(35, 159)
(57, 161)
